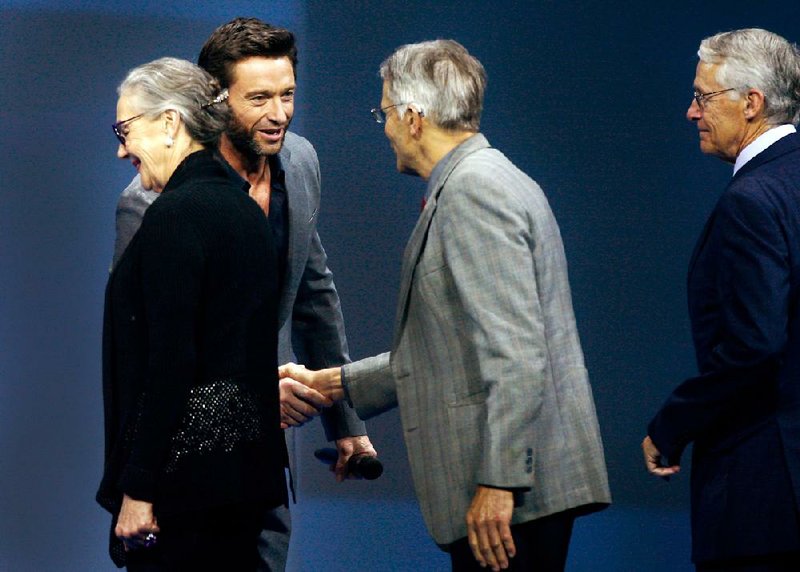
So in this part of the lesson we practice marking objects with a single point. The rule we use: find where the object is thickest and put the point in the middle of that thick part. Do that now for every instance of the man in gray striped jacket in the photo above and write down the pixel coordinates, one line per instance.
(486, 364)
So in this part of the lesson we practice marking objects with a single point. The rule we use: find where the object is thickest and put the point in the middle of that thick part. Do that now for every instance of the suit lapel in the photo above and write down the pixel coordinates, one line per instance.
(297, 208)
(781, 147)
(419, 236)
(411, 256)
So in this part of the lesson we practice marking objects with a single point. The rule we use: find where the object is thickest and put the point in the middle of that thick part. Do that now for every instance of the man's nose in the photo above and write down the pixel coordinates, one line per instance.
(276, 111)
(694, 113)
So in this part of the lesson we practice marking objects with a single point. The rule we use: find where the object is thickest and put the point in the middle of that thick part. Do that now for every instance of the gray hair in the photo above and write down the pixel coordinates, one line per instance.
(441, 78)
(180, 85)
(756, 58)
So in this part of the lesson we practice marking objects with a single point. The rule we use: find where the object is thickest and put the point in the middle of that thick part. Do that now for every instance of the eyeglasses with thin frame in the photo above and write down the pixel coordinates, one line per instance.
(117, 127)
(701, 98)
(379, 113)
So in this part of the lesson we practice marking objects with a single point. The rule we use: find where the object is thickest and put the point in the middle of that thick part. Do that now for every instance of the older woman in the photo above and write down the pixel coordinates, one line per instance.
(194, 452)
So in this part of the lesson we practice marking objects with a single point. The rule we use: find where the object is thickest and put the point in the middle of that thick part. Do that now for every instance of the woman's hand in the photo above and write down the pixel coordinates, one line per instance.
(136, 524)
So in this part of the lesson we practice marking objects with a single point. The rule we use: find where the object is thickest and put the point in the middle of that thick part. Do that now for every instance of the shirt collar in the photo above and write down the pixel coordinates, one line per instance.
(277, 174)
(761, 143)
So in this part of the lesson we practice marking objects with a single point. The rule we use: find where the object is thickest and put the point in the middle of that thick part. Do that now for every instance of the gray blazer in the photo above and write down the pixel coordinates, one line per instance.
(486, 364)
(310, 315)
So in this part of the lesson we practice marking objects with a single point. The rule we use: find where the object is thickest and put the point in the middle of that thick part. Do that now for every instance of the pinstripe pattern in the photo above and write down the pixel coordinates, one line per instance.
(486, 363)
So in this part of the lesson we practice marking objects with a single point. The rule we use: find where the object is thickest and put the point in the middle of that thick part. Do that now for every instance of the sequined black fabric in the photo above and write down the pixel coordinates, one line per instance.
(218, 417)
(206, 312)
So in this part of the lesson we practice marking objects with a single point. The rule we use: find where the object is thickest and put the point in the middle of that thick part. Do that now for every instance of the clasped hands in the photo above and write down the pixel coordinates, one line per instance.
(305, 393)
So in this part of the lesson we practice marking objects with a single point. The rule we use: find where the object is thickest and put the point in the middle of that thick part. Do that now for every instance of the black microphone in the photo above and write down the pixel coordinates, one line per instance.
(364, 466)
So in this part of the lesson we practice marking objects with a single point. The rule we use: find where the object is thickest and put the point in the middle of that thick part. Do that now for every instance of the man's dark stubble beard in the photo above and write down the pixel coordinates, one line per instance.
(244, 143)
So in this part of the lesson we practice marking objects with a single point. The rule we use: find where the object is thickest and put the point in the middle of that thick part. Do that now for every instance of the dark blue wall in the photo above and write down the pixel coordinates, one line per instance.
(587, 97)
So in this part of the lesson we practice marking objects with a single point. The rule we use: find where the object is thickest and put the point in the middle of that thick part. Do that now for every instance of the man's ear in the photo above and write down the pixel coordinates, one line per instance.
(414, 118)
(755, 103)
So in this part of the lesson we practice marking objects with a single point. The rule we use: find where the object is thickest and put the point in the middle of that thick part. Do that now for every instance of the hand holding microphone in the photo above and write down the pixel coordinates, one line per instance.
(360, 466)
(326, 385)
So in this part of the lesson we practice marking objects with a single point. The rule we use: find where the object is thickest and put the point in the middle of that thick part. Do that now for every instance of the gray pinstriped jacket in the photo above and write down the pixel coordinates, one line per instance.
(486, 364)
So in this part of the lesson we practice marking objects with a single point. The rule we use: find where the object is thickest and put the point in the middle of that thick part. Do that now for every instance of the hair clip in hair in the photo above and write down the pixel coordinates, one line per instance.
(221, 96)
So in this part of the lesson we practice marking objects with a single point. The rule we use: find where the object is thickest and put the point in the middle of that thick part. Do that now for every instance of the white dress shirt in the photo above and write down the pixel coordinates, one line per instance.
(761, 143)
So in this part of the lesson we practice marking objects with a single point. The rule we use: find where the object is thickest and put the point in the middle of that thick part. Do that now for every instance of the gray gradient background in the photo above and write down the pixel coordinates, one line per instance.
(587, 97)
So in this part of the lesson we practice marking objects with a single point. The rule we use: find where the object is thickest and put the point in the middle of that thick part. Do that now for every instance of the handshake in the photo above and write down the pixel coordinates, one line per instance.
(305, 393)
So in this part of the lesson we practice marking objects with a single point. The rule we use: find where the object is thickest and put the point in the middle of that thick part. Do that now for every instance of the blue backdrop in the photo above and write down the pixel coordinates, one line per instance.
(587, 97)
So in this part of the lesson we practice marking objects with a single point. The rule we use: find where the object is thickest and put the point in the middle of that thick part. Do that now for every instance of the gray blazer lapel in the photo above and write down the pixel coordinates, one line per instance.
(410, 258)
(416, 244)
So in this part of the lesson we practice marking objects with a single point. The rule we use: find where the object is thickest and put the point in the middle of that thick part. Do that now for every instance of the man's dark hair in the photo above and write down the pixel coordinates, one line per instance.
(244, 38)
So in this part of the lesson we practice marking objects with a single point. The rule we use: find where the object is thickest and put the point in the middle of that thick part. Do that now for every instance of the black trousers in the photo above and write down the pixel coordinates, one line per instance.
(788, 562)
(542, 545)
(219, 539)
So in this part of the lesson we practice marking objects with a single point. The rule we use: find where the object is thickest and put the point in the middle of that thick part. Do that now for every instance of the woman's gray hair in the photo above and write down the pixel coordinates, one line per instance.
(756, 58)
(179, 85)
(441, 78)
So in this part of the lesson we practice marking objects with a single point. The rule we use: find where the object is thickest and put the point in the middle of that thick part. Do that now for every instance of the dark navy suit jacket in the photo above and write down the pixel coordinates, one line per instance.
(743, 410)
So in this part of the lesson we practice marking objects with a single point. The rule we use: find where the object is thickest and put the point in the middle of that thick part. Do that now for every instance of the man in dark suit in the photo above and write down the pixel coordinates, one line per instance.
(255, 62)
(742, 411)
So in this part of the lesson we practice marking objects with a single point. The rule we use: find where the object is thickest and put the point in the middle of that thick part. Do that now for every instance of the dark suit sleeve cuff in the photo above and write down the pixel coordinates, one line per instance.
(671, 450)
(138, 483)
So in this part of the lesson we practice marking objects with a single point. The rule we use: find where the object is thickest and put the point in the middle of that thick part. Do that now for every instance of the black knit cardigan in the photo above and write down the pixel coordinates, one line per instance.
(190, 352)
